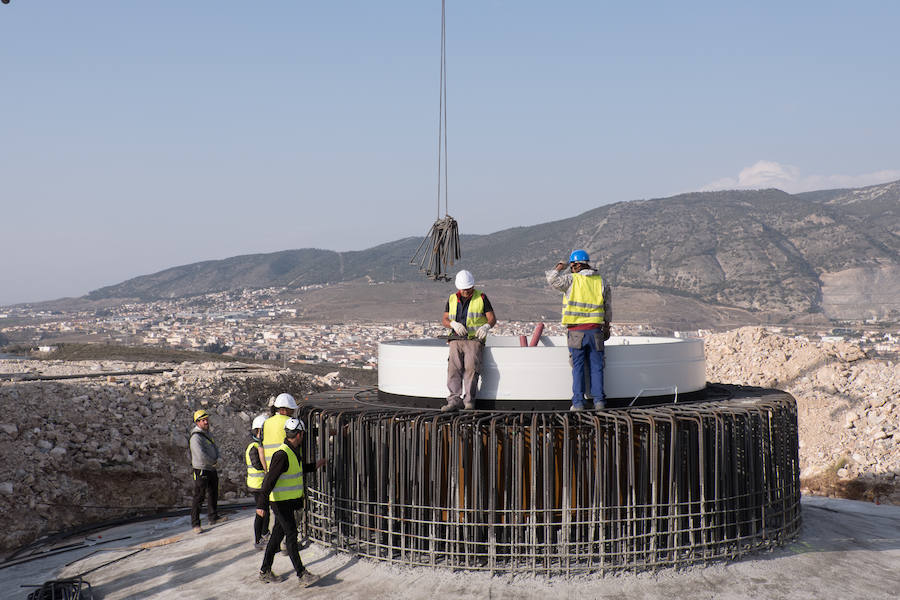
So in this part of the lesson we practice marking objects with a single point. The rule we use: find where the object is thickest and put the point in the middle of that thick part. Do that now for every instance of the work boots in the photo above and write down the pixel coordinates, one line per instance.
(269, 577)
(307, 579)
(451, 406)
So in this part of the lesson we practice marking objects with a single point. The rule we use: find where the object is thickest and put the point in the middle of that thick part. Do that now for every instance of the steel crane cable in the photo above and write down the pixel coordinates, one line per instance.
(440, 248)
(442, 115)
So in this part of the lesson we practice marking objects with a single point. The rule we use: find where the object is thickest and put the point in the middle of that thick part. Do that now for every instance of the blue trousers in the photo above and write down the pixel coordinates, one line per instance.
(586, 352)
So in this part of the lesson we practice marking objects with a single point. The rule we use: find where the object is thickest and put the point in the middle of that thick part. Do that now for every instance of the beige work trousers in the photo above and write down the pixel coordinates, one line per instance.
(463, 368)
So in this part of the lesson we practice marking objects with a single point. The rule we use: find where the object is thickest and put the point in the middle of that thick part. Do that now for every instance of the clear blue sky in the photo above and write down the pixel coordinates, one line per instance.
(135, 136)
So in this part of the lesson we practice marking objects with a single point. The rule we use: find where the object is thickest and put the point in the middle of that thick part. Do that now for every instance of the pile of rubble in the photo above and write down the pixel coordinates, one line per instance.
(848, 407)
(99, 447)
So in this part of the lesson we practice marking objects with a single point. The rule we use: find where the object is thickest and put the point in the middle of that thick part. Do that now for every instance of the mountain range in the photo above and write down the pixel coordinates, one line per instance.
(834, 252)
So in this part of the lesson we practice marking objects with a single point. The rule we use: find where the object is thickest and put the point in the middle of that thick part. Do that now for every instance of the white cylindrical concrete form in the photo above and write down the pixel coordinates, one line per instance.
(634, 366)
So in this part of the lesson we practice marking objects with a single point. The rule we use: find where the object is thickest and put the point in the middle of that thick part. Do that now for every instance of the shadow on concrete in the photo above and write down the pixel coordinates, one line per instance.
(331, 578)
(173, 573)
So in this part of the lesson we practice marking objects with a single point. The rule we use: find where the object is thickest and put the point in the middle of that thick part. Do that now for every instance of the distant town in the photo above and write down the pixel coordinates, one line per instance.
(261, 324)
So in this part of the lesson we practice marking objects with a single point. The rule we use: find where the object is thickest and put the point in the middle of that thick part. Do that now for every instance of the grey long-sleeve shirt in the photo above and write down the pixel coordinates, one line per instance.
(204, 453)
(562, 282)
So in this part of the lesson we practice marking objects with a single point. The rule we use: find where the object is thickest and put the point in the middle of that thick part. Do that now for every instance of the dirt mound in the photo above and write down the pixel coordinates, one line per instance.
(848, 406)
(100, 447)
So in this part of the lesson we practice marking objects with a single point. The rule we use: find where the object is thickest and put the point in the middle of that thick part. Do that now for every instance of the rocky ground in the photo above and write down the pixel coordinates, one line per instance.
(848, 407)
(91, 449)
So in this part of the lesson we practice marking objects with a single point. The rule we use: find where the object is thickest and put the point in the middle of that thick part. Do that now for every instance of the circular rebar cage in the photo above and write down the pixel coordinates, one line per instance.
(556, 492)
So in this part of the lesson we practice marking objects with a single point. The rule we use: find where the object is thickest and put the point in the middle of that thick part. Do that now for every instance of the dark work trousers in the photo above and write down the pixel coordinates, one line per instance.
(206, 483)
(260, 524)
(285, 528)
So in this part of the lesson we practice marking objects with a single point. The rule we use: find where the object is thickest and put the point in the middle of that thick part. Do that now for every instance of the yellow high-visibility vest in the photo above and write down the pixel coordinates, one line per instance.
(254, 476)
(475, 316)
(290, 483)
(584, 304)
(273, 435)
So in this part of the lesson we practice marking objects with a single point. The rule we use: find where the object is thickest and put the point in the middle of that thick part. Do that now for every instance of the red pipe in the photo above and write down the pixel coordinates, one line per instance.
(536, 336)
(523, 341)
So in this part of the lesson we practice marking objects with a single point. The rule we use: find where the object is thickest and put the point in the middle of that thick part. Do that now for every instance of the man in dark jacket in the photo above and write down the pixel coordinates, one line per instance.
(283, 486)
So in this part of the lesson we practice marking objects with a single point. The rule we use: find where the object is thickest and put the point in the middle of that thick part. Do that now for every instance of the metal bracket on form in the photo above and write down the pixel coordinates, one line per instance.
(673, 389)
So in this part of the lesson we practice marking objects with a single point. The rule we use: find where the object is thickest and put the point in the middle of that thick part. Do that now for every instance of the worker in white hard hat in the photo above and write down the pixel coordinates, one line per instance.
(204, 457)
(283, 486)
(469, 316)
(256, 471)
(586, 313)
(273, 428)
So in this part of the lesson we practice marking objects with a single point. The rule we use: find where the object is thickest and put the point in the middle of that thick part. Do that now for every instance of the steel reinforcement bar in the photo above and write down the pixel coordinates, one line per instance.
(556, 492)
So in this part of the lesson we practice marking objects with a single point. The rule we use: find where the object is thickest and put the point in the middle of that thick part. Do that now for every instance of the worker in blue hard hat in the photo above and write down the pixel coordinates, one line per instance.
(586, 313)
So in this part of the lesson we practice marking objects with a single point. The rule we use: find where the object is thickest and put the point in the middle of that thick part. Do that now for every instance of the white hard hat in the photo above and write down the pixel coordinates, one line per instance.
(258, 422)
(293, 427)
(464, 280)
(285, 401)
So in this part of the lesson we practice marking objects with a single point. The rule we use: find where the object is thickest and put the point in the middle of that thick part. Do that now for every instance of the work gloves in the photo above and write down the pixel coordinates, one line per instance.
(459, 329)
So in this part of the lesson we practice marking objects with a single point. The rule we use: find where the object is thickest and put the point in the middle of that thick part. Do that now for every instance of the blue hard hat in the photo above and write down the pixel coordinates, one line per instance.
(579, 256)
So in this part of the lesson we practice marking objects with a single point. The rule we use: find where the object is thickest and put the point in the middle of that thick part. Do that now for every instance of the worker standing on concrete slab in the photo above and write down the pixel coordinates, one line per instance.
(469, 315)
(273, 429)
(204, 456)
(256, 472)
(586, 313)
(283, 486)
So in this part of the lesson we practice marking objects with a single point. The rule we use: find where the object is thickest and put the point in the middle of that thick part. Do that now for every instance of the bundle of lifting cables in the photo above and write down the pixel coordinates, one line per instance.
(440, 248)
